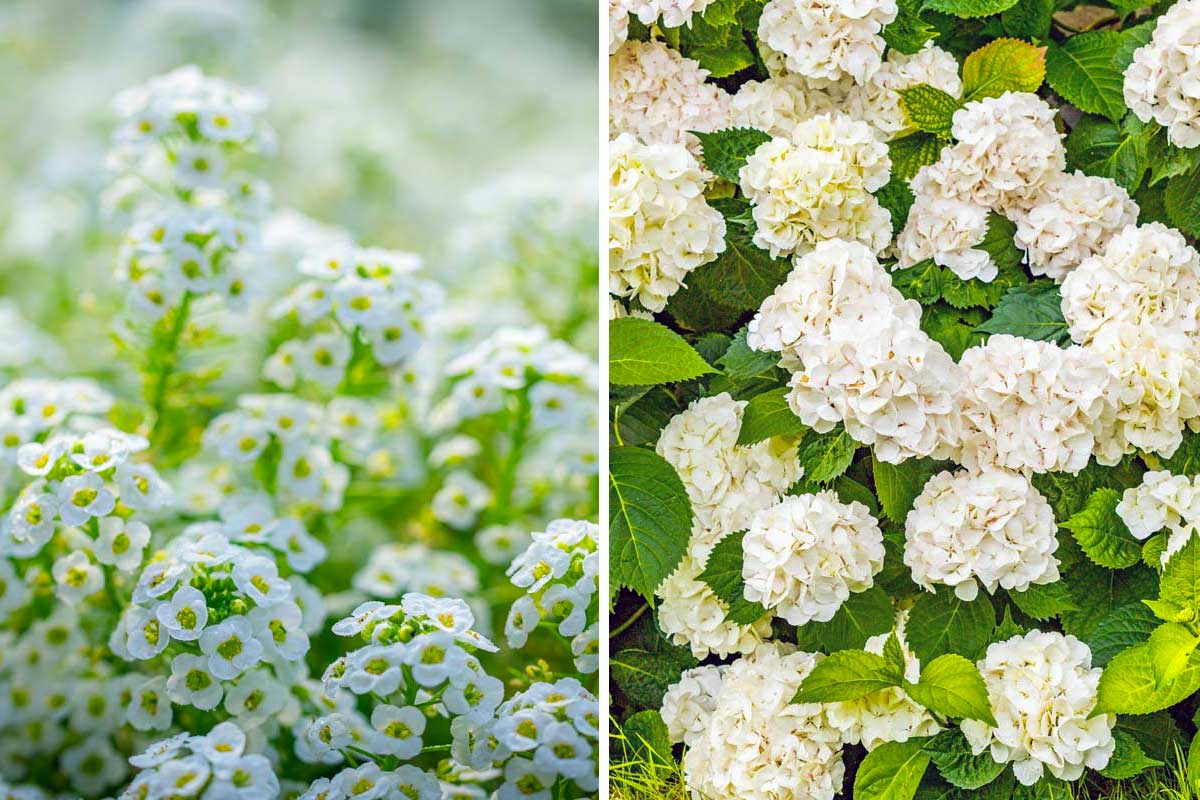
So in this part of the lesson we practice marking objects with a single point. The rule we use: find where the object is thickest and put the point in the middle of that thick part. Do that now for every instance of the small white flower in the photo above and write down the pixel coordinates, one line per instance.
(231, 647)
(192, 684)
(399, 730)
(76, 577)
(121, 543)
(81, 497)
(184, 615)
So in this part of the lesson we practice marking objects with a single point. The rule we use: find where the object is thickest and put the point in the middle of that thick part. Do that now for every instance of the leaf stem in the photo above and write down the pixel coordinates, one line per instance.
(632, 618)
(170, 360)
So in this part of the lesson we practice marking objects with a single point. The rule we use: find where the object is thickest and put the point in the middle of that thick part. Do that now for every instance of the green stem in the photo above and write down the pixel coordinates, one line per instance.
(632, 618)
(170, 360)
(516, 450)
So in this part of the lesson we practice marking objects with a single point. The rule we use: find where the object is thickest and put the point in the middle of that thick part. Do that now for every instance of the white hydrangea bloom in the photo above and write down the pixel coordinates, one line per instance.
(828, 38)
(777, 105)
(1162, 500)
(1042, 688)
(658, 96)
(691, 614)
(948, 231)
(726, 482)
(1157, 380)
(660, 227)
(888, 715)
(806, 554)
(757, 744)
(1160, 83)
(1005, 148)
(1147, 274)
(817, 184)
(1030, 405)
(688, 702)
(991, 528)
(673, 13)
(618, 24)
(877, 101)
(1072, 218)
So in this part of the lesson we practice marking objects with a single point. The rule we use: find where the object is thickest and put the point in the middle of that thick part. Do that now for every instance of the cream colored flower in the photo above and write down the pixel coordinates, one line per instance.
(777, 105)
(947, 231)
(1162, 500)
(692, 615)
(690, 701)
(877, 101)
(827, 38)
(1162, 81)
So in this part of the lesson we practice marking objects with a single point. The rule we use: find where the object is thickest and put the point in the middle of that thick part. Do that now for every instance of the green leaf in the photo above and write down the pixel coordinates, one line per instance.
(740, 363)
(1002, 65)
(1171, 646)
(951, 685)
(824, 456)
(1125, 626)
(1183, 202)
(642, 352)
(951, 754)
(1185, 460)
(847, 675)
(1044, 601)
(1083, 70)
(998, 243)
(695, 311)
(893, 652)
(1096, 146)
(1193, 764)
(929, 108)
(643, 676)
(1097, 591)
(1180, 582)
(969, 9)
(1048, 788)
(908, 33)
(909, 153)
(921, 282)
(742, 275)
(1102, 534)
(768, 415)
(723, 574)
(863, 615)
(645, 738)
(891, 771)
(725, 151)
(941, 623)
(1128, 684)
(952, 328)
(651, 519)
(897, 198)
(1033, 311)
(897, 485)
(1029, 20)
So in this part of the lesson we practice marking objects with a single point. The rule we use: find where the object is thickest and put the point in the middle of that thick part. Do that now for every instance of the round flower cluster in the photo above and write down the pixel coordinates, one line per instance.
(688, 703)
(209, 767)
(559, 572)
(1160, 82)
(858, 354)
(1030, 405)
(805, 555)
(1042, 689)
(660, 227)
(30, 408)
(948, 231)
(691, 614)
(777, 105)
(1072, 218)
(877, 100)
(395, 569)
(366, 297)
(816, 185)
(1162, 500)
(991, 528)
(822, 39)
(748, 741)
(659, 97)
(888, 715)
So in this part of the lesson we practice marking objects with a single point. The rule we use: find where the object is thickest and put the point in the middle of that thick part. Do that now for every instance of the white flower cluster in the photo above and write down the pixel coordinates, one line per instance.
(660, 227)
(748, 741)
(32, 407)
(727, 484)
(213, 766)
(948, 231)
(1135, 306)
(777, 105)
(1160, 81)
(559, 572)
(1162, 500)
(1042, 689)
(858, 354)
(688, 703)
(805, 555)
(888, 715)
(395, 569)
(1030, 405)
(366, 297)
(991, 528)
(877, 100)
(824, 39)
(658, 96)
(816, 184)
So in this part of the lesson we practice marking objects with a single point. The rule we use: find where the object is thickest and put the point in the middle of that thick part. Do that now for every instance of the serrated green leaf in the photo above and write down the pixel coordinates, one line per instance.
(897, 485)
(740, 363)
(891, 771)
(909, 153)
(969, 9)
(847, 675)
(1033, 311)
(1096, 146)
(1128, 684)
(1102, 534)
(1084, 71)
(1044, 601)
(1124, 627)
(952, 328)
(825, 456)
(642, 353)
(908, 33)
(1097, 591)
(1171, 646)
(742, 275)
(897, 198)
(921, 282)
(1185, 460)
(723, 574)
(951, 754)
(1182, 200)
(929, 109)
(1003, 65)
(695, 311)
(951, 685)
(643, 676)
(1180, 581)
(941, 623)
(725, 151)
(863, 615)
(1029, 20)
(1000, 246)
(768, 415)
(651, 519)
(644, 737)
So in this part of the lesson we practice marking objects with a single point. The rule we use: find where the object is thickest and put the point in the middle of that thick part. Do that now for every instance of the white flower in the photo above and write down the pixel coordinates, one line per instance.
(1160, 83)
(827, 38)
(691, 614)
(399, 731)
(1042, 689)
(689, 702)
(1072, 217)
(776, 105)
(1162, 500)
(231, 647)
(460, 499)
(192, 684)
(141, 488)
(149, 708)
(1030, 405)
(816, 185)
(618, 24)
(877, 101)
(81, 497)
(992, 527)
(120, 543)
(948, 231)
(660, 227)
(658, 96)
(184, 615)
(805, 555)
(93, 765)
(76, 577)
